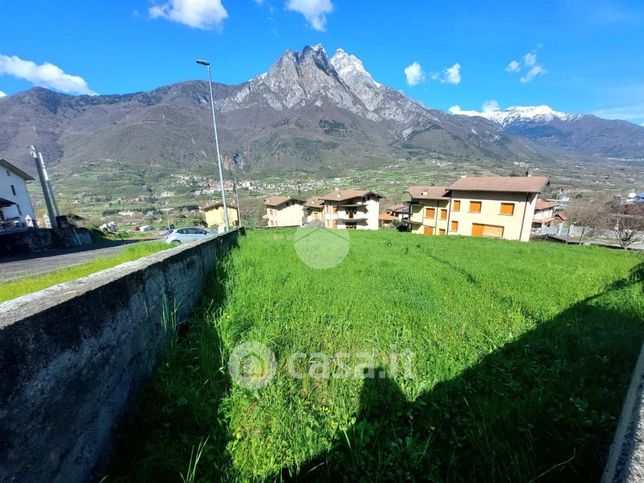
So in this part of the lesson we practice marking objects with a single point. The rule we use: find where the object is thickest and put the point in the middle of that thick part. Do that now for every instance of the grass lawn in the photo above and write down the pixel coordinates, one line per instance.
(522, 354)
(11, 290)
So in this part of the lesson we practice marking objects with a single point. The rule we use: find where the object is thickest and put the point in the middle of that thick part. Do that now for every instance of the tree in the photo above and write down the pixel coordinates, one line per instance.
(628, 224)
(589, 214)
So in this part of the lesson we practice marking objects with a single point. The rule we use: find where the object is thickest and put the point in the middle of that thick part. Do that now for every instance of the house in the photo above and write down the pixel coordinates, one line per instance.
(428, 209)
(314, 210)
(284, 211)
(16, 210)
(351, 209)
(398, 212)
(485, 206)
(544, 214)
(214, 214)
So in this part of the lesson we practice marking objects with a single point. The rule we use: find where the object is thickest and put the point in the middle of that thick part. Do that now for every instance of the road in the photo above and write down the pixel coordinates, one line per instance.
(37, 263)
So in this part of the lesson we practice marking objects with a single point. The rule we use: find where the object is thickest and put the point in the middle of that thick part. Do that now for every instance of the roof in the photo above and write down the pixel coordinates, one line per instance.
(314, 202)
(218, 204)
(427, 192)
(562, 215)
(544, 205)
(385, 217)
(399, 208)
(344, 195)
(505, 184)
(4, 203)
(7, 165)
(277, 200)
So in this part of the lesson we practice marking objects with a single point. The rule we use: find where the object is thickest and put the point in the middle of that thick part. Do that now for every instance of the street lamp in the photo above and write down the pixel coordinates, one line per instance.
(214, 126)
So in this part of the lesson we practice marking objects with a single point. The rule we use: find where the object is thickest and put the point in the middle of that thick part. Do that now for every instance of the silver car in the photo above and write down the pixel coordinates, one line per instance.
(186, 235)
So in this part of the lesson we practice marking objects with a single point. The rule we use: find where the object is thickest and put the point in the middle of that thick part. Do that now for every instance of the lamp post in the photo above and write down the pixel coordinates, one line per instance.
(214, 126)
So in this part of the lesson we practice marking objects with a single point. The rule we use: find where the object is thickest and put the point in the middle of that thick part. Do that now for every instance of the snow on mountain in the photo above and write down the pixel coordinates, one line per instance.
(516, 114)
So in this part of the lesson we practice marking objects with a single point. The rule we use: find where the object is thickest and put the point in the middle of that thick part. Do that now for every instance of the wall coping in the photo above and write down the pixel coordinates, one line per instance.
(15, 310)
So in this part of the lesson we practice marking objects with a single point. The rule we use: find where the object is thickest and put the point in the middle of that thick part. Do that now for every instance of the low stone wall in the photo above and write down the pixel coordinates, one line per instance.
(32, 240)
(73, 355)
(626, 457)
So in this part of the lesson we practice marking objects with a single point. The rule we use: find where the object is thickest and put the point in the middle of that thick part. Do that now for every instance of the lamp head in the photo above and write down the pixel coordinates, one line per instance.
(203, 62)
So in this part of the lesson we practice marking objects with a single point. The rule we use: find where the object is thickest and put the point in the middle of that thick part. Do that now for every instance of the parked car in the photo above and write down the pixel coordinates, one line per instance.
(186, 235)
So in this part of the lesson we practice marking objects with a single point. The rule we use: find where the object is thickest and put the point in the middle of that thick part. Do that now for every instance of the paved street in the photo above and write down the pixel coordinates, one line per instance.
(37, 263)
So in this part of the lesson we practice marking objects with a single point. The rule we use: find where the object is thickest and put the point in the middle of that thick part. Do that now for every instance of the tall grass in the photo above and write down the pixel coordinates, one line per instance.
(10, 290)
(521, 356)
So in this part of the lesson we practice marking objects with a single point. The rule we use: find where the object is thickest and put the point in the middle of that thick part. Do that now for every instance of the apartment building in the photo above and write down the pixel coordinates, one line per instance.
(284, 211)
(351, 209)
(428, 209)
(485, 206)
(314, 210)
(544, 214)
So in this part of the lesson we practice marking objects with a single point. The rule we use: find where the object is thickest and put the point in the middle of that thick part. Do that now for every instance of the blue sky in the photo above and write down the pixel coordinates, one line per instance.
(574, 55)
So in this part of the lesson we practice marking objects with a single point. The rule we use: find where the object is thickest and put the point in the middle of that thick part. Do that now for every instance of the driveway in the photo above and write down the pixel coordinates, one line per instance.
(38, 263)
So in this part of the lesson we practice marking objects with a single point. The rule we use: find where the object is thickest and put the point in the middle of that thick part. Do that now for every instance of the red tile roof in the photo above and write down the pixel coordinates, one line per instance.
(277, 200)
(427, 192)
(544, 205)
(344, 195)
(506, 184)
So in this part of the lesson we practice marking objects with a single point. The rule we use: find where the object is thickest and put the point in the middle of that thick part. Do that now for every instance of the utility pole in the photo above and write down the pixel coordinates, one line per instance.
(214, 125)
(43, 184)
(49, 185)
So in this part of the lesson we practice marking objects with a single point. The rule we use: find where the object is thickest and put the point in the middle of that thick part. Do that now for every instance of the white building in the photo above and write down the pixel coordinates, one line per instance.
(16, 209)
(351, 209)
(284, 211)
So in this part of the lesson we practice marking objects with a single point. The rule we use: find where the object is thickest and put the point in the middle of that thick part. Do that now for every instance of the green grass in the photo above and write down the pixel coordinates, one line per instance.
(522, 356)
(11, 290)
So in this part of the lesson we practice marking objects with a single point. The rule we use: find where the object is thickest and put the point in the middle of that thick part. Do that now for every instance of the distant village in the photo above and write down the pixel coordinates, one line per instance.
(507, 207)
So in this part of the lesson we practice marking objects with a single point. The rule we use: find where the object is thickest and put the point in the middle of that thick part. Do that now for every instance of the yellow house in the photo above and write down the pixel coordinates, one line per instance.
(484, 206)
(428, 209)
(214, 214)
(284, 211)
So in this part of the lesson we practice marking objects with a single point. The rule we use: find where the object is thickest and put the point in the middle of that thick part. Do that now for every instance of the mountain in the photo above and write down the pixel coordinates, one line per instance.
(574, 133)
(309, 112)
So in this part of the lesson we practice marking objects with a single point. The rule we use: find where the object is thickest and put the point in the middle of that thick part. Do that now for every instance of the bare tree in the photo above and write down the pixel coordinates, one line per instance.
(589, 214)
(628, 224)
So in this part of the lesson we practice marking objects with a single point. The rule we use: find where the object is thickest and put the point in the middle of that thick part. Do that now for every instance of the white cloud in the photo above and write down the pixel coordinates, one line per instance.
(490, 106)
(529, 62)
(199, 14)
(414, 73)
(532, 73)
(452, 75)
(3, 94)
(43, 75)
(314, 11)
(455, 109)
(513, 66)
(449, 75)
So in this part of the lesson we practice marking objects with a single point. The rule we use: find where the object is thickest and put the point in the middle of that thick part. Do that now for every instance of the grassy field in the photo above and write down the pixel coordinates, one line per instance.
(521, 358)
(11, 290)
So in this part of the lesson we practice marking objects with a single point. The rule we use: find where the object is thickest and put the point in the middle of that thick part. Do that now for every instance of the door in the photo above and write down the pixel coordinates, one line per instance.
(428, 230)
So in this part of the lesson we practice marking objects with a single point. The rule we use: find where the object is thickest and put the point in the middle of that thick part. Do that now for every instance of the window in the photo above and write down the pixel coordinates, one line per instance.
(8, 173)
(430, 212)
(507, 208)
(457, 205)
(443, 214)
(453, 226)
(475, 206)
(487, 230)
(428, 230)
(441, 231)
(13, 190)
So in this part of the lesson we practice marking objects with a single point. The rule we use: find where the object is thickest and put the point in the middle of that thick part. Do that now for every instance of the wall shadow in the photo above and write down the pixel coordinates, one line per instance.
(543, 407)
(176, 414)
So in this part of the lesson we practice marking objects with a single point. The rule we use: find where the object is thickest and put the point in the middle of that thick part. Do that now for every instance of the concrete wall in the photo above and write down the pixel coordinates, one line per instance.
(72, 356)
(31, 240)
